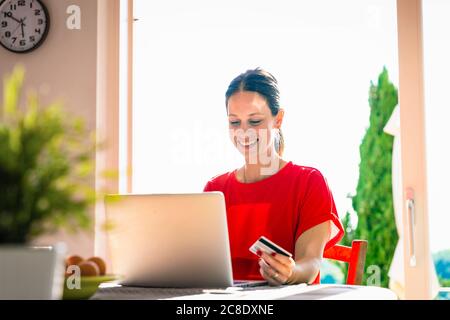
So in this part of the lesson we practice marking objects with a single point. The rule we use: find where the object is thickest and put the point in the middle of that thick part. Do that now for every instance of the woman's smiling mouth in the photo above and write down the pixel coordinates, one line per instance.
(248, 144)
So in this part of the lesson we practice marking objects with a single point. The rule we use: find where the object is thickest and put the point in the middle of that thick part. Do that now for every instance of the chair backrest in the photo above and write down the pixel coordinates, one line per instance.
(355, 256)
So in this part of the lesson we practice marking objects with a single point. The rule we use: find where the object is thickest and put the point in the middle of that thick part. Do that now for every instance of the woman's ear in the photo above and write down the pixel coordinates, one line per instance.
(279, 118)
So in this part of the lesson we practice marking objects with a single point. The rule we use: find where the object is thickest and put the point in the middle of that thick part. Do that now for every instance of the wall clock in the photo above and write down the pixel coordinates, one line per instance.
(24, 24)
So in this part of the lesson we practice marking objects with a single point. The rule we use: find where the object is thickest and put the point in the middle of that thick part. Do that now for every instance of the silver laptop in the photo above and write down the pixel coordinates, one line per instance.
(171, 240)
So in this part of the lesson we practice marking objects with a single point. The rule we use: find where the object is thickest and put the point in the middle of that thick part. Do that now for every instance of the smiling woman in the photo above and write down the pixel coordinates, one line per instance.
(269, 196)
(255, 117)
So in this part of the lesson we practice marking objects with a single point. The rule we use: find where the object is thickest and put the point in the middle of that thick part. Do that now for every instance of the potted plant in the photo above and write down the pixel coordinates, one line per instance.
(46, 165)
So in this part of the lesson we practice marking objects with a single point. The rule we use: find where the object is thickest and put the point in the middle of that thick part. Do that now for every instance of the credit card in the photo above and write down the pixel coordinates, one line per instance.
(265, 245)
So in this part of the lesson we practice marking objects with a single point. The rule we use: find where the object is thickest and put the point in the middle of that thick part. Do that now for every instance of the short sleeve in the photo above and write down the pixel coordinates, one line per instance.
(318, 206)
(207, 187)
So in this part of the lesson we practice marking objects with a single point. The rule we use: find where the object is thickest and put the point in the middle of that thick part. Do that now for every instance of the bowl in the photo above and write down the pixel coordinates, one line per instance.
(88, 287)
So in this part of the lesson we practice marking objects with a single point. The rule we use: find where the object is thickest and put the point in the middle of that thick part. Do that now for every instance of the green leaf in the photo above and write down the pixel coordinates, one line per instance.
(46, 167)
(11, 91)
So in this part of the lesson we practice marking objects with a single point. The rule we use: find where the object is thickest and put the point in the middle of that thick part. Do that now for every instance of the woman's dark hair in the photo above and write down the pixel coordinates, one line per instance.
(266, 85)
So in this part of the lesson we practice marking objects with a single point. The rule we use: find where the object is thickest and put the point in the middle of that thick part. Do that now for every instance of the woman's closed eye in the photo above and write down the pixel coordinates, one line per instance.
(254, 122)
(251, 122)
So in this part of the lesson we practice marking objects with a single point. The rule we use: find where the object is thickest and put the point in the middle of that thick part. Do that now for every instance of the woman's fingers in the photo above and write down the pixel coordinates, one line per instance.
(280, 263)
(281, 259)
(272, 275)
(269, 279)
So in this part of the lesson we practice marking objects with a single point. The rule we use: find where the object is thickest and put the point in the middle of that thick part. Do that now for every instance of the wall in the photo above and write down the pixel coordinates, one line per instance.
(64, 67)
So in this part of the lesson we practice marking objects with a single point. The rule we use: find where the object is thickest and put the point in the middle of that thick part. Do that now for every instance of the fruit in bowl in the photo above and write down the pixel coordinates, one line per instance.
(83, 277)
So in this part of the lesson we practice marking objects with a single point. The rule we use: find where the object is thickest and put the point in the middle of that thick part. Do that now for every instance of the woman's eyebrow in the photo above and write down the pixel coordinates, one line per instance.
(251, 114)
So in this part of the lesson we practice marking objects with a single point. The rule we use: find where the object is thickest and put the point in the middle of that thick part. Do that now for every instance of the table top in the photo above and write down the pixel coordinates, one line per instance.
(112, 291)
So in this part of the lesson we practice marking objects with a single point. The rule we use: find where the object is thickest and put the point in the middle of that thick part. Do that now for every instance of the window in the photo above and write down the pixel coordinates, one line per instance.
(323, 54)
(436, 70)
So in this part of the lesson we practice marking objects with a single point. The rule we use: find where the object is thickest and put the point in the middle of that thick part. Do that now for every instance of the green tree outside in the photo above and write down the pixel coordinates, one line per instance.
(373, 201)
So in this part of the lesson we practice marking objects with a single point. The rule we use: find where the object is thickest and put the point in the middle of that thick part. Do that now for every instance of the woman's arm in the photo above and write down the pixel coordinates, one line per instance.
(309, 252)
(309, 248)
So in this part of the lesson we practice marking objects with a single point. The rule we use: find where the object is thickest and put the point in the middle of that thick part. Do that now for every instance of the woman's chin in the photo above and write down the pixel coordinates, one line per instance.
(252, 155)
(248, 150)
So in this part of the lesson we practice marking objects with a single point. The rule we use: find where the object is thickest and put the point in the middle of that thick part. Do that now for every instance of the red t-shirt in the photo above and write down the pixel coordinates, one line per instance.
(280, 207)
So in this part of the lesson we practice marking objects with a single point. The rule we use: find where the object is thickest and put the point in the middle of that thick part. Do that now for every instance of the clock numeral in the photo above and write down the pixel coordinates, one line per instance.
(8, 34)
(21, 3)
(40, 21)
(7, 14)
(22, 43)
(38, 30)
(4, 24)
(14, 39)
(32, 39)
(13, 7)
(37, 12)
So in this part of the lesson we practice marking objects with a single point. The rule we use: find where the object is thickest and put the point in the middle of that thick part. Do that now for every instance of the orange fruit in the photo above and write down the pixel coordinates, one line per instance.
(89, 268)
(100, 264)
(73, 260)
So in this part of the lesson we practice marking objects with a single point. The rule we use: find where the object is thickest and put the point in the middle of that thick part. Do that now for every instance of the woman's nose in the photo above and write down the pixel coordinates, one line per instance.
(245, 134)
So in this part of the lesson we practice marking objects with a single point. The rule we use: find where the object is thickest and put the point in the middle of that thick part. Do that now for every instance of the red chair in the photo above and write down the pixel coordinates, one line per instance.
(355, 256)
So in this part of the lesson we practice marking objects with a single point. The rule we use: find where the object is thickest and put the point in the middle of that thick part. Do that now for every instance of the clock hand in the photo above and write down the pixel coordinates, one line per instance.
(14, 31)
(21, 25)
(13, 18)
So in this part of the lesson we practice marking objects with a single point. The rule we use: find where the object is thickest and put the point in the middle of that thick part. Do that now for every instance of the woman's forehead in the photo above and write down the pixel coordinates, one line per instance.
(247, 102)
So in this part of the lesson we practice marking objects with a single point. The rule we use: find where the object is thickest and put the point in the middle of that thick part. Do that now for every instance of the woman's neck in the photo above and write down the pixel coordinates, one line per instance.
(253, 172)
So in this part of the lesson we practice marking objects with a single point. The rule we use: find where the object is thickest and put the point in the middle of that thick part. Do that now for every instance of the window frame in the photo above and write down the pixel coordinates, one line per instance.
(413, 150)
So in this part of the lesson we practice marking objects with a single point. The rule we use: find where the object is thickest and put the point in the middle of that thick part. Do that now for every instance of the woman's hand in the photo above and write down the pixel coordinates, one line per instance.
(277, 269)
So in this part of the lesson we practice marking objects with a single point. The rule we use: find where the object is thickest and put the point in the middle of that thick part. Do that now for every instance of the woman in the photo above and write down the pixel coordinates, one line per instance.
(269, 196)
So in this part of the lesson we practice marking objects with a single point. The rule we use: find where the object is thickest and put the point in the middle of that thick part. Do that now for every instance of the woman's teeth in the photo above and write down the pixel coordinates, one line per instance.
(249, 144)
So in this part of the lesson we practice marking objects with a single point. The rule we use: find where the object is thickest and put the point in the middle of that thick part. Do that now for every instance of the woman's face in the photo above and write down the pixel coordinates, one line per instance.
(252, 124)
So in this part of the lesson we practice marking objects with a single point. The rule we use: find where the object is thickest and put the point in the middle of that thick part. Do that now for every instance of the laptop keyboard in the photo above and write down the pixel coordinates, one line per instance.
(111, 292)
(249, 284)
(144, 293)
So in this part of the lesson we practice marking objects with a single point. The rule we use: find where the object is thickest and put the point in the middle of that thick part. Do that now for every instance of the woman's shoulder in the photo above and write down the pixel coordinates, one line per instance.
(307, 176)
(218, 181)
(305, 170)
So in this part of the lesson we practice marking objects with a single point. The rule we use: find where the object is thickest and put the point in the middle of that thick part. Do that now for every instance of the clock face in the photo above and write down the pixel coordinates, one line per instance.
(23, 24)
